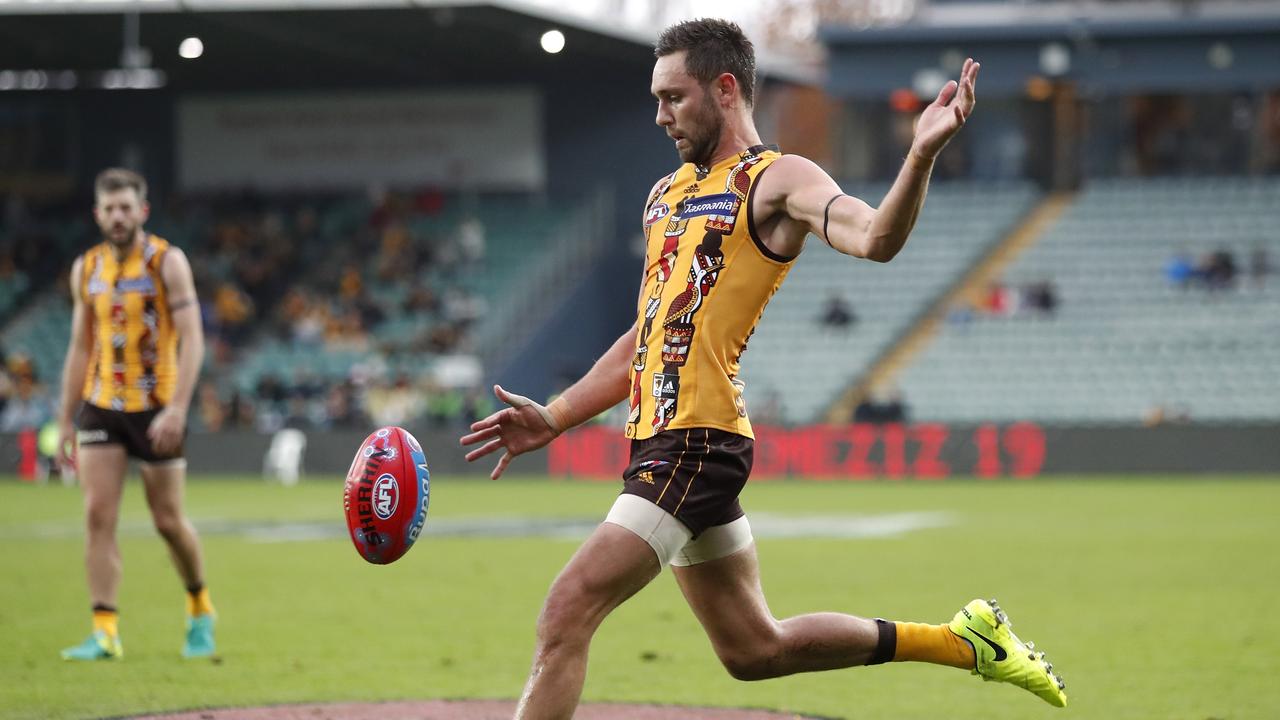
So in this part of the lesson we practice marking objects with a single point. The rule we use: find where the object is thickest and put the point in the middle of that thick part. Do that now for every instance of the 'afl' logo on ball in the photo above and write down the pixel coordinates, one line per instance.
(656, 213)
(386, 496)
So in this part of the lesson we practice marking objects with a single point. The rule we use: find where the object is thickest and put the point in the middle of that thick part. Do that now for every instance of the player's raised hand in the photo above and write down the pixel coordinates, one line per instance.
(518, 429)
(947, 114)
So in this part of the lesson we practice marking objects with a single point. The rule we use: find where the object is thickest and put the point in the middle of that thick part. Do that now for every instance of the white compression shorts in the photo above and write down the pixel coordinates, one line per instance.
(671, 540)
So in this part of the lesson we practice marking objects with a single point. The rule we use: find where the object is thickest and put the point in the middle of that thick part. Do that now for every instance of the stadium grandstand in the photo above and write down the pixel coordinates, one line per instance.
(1063, 392)
(416, 202)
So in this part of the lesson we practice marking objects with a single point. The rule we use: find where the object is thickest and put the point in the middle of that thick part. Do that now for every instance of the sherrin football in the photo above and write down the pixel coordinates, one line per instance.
(386, 496)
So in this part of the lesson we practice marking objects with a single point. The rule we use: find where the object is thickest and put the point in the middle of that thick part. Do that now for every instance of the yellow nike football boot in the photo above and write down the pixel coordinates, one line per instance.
(1002, 657)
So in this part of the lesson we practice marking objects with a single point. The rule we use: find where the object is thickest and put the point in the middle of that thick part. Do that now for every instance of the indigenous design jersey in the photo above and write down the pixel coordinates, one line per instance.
(707, 281)
(134, 360)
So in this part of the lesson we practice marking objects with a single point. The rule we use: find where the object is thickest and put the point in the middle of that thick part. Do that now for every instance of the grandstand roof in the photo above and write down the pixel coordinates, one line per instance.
(287, 49)
(315, 43)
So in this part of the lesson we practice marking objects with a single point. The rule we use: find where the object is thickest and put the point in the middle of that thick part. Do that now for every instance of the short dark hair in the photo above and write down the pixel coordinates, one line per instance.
(712, 47)
(116, 179)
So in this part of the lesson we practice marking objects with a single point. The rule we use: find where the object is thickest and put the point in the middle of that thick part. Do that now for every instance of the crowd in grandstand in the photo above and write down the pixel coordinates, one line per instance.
(1217, 270)
(271, 271)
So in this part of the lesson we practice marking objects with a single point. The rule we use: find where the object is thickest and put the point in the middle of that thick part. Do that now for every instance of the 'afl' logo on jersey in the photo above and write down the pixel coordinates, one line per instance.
(656, 213)
(386, 496)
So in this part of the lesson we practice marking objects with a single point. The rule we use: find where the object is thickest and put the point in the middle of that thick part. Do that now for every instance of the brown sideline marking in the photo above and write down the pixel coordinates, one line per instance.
(467, 710)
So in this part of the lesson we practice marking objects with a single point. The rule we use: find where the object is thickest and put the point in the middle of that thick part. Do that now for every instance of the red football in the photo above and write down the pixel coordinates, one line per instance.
(386, 496)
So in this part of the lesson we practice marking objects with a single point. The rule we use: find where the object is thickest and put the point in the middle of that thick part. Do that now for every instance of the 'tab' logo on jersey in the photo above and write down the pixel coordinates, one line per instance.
(656, 213)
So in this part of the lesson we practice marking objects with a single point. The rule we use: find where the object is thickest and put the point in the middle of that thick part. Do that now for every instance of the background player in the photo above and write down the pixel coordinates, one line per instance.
(134, 356)
(722, 233)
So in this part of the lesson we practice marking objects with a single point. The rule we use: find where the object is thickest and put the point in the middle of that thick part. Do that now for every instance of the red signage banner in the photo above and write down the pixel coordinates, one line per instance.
(924, 451)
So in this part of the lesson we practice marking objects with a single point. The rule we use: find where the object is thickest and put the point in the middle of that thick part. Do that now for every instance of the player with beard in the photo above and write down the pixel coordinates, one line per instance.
(723, 230)
(134, 356)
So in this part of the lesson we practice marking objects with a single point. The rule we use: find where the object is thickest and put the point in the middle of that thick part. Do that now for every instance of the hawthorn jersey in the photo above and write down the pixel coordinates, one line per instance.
(707, 281)
(134, 360)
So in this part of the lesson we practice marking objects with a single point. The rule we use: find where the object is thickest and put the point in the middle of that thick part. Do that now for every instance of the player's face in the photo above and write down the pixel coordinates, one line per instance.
(119, 214)
(686, 110)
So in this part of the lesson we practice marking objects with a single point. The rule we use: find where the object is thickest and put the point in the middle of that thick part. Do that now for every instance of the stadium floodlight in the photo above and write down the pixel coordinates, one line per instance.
(927, 82)
(1055, 59)
(38, 79)
(1220, 56)
(552, 41)
(191, 48)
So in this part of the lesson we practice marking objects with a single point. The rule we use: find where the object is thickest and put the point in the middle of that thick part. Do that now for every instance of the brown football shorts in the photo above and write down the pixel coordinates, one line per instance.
(100, 426)
(695, 474)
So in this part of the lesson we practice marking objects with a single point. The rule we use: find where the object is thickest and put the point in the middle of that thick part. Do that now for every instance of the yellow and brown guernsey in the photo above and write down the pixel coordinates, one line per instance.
(707, 281)
(133, 363)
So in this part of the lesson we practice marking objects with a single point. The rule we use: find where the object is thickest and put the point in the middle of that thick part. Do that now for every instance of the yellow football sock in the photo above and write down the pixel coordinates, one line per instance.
(934, 644)
(198, 603)
(106, 621)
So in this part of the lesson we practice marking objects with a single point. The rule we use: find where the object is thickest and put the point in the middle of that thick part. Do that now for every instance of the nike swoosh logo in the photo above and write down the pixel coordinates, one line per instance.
(1000, 653)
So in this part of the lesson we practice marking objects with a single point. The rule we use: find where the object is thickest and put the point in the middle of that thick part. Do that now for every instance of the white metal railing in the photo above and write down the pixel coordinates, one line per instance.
(575, 245)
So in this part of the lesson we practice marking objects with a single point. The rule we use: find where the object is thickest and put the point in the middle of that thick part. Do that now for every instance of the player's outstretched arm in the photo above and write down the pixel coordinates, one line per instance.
(526, 425)
(849, 225)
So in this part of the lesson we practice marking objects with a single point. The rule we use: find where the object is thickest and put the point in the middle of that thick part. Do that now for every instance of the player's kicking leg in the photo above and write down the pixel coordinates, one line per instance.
(725, 595)
(611, 566)
(165, 483)
(101, 468)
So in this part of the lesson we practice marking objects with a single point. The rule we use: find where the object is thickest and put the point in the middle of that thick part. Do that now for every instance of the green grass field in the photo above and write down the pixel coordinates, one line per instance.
(1156, 598)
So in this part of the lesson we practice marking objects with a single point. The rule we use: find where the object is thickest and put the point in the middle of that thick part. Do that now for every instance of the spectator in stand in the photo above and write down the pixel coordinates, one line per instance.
(351, 284)
(20, 366)
(341, 410)
(837, 313)
(6, 387)
(28, 408)
(394, 404)
(290, 312)
(1041, 297)
(240, 412)
(463, 308)
(1180, 271)
(347, 332)
(421, 299)
(395, 253)
(442, 338)
(1219, 270)
(212, 412)
(889, 409)
(232, 312)
(445, 406)
(1161, 414)
(999, 300)
(471, 240)
(271, 391)
(371, 314)
(309, 329)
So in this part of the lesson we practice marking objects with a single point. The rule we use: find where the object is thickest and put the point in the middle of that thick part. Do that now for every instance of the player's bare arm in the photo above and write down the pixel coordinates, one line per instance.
(526, 425)
(167, 428)
(796, 197)
(74, 367)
